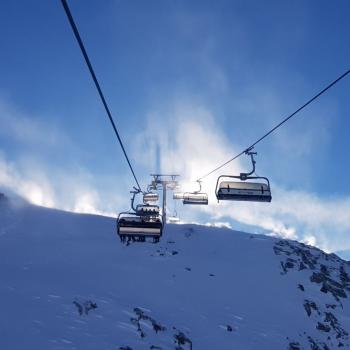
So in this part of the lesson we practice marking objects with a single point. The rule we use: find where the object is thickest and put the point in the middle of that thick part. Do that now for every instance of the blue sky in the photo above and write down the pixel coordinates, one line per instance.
(203, 80)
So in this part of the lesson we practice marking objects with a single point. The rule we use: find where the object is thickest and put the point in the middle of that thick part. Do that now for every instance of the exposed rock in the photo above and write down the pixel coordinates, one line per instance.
(324, 270)
(79, 307)
(294, 346)
(341, 333)
(301, 266)
(302, 252)
(84, 307)
(89, 305)
(328, 284)
(182, 339)
(289, 264)
(310, 305)
(283, 268)
(331, 274)
(323, 327)
(317, 346)
(156, 326)
(344, 278)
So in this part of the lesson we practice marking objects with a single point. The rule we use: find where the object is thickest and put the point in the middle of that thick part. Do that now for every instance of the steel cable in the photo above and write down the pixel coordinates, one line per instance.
(278, 125)
(94, 78)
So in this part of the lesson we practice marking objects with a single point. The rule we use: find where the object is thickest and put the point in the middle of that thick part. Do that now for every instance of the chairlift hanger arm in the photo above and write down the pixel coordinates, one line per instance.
(200, 186)
(134, 193)
(245, 176)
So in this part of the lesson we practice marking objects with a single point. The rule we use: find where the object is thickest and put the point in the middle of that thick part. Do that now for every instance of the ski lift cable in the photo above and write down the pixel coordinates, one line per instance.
(278, 125)
(94, 78)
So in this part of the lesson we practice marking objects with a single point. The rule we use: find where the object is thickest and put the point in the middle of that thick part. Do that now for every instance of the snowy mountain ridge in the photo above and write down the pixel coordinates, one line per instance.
(68, 283)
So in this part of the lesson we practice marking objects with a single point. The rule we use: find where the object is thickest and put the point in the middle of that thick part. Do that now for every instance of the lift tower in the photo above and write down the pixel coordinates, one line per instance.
(164, 182)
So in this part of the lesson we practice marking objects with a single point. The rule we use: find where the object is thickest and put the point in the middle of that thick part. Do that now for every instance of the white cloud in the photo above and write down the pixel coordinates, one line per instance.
(30, 131)
(191, 145)
(37, 191)
(32, 174)
(295, 215)
(219, 224)
(310, 240)
(72, 192)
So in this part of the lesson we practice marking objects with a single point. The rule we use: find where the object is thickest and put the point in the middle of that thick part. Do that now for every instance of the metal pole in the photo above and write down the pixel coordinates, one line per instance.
(164, 201)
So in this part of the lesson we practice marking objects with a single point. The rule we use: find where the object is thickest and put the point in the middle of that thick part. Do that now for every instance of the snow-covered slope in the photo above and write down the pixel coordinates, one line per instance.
(67, 283)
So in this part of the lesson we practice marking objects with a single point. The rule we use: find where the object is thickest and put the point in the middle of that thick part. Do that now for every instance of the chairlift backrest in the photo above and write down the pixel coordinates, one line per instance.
(244, 190)
(150, 197)
(236, 185)
(178, 195)
(195, 198)
(139, 228)
(146, 209)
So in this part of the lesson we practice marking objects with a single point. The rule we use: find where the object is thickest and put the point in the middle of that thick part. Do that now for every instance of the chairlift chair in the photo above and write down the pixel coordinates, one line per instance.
(150, 197)
(196, 197)
(178, 195)
(243, 190)
(144, 222)
(173, 185)
(147, 210)
(132, 227)
(173, 219)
